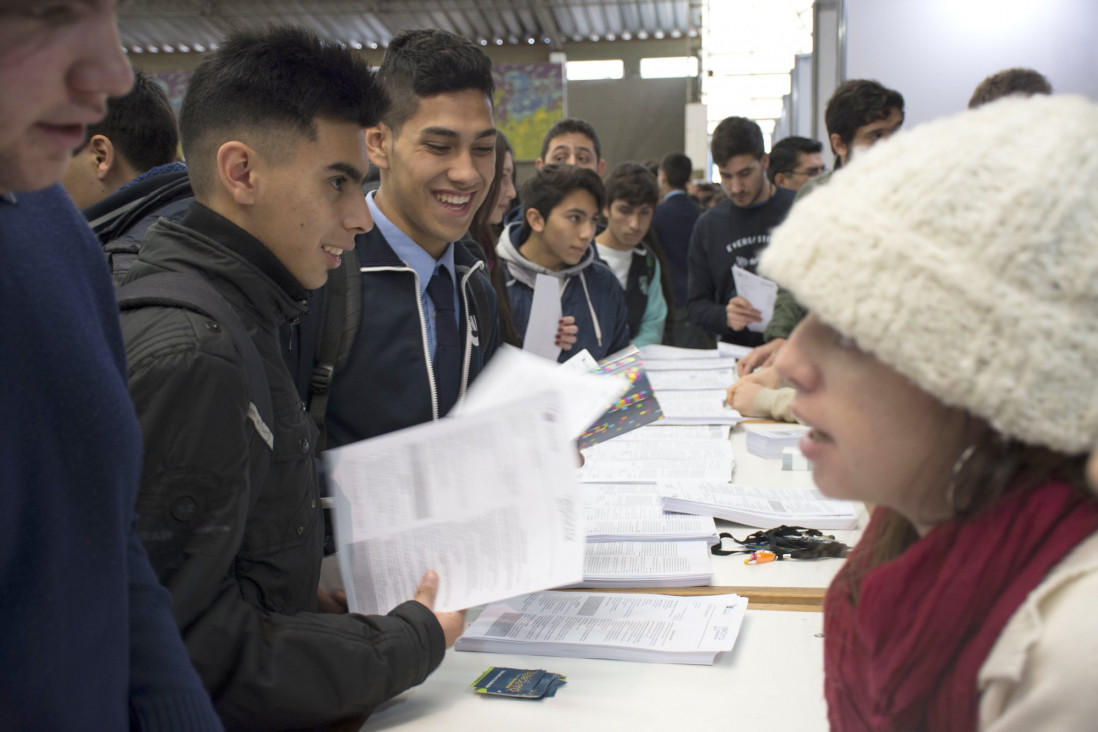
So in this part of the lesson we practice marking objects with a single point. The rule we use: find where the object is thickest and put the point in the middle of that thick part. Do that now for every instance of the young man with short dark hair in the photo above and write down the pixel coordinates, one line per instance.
(137, 138)
(625, 247)
(1009, 82)
(794, 161)
(89, 639)
(229, 509)
(560, 205)
(859, 114)
(572, 141)
(733, 233)
(430, 318)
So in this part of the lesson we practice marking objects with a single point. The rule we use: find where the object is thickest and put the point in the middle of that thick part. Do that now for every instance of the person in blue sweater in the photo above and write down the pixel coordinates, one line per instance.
(89, 640)
(560, 205)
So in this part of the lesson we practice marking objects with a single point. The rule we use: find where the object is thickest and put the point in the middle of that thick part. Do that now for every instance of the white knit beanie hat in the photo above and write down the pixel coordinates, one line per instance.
(964, 254)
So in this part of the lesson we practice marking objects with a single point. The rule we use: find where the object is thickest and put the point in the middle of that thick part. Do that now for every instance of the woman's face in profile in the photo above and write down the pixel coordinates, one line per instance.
(875, 436)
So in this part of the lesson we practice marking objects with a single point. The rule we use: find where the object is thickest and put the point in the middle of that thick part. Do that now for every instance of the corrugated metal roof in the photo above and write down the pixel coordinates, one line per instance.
(186, 25)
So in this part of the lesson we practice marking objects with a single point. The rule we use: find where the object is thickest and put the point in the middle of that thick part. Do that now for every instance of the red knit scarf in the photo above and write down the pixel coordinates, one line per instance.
(906, 657)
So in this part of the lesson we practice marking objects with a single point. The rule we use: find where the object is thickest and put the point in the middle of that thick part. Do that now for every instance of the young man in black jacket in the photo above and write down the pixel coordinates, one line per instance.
(430, 319)
(229, 511)
(734, 232)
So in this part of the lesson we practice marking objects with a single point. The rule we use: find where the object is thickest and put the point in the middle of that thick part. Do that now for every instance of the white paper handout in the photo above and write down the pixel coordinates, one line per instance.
(659, 352)
(762, 508)
(634, 512)
(759, 291)
(489, 501)
(647, 564)
(662, 381)
(656, 628)
(704, 406)
(541, 328)
(584, 396)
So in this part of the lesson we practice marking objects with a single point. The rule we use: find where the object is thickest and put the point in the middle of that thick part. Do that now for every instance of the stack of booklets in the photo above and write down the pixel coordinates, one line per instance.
(635, 461)
(625, 627)
(763, 508)
(609, 564)
(769, 443)
(634, 512)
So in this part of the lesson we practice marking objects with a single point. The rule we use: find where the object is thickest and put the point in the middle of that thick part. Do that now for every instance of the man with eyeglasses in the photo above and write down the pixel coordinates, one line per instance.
(794, 161)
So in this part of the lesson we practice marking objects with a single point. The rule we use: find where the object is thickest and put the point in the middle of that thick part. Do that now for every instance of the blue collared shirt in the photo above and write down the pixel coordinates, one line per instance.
(674, 192)
(424, 265)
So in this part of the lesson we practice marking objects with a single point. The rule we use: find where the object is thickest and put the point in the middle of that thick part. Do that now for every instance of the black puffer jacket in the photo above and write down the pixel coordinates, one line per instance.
(242, 561)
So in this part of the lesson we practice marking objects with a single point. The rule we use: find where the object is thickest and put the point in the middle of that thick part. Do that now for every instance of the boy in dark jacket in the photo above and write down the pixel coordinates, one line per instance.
(430, 320)
(272, 127)
(560, 205)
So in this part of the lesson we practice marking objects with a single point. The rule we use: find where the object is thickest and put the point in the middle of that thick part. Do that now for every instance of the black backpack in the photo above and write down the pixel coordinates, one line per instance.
(177, 289)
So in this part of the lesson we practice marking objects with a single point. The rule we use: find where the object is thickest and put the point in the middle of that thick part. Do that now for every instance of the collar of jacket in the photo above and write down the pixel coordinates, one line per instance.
(231, 258)
(526, 271)
(374, 250)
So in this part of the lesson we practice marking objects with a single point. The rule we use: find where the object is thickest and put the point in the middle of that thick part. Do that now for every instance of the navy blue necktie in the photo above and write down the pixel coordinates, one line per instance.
(447, 341)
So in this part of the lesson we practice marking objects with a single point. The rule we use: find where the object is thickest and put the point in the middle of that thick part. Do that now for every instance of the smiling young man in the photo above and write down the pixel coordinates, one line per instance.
(430, 318)
(89, 639)
(229, 509)
(631, 197)
(560, 205)
(734, 232)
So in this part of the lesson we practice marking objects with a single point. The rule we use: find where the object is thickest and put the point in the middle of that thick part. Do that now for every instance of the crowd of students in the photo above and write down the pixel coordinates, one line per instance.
(162, 522)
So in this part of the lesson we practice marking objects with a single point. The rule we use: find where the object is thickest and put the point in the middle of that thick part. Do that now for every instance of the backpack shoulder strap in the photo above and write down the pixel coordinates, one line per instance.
(175, 289)
(339, 323)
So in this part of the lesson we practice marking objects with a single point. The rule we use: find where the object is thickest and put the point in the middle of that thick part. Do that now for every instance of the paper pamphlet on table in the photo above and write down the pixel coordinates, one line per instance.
(762, 508)
(769, 443)
(636, 408)
(759, 291)
(634, 512)
(656, 471)
(584, 396)
(705, 406)
(691, 364)
(661, 431)
(663, 381)
(647, 564)
(673, 450)
(541, 327)
(626, 627)
(731, 350)
(443, 495)
(659, 352)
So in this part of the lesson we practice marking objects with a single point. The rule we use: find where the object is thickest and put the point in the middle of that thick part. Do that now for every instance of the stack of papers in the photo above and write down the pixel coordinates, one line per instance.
(704, 406)
(637, 462)
(674, 380)
(770, 443)
(763, 508)
(654, 628)
(634, 512)
(647, 564)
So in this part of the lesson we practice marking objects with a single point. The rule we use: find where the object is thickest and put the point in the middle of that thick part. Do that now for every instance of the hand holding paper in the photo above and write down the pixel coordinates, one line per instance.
(758, 294)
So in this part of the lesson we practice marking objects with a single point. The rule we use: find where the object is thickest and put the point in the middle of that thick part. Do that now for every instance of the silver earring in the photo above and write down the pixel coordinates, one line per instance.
(951, 491)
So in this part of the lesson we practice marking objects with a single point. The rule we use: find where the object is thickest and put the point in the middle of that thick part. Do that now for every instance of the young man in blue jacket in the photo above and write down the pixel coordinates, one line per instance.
(560, 205)
(89, 640)
(430, 320)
